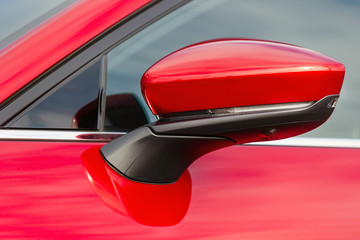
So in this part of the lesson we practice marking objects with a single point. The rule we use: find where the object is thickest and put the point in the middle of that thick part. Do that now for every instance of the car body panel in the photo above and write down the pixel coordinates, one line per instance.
(57, 38)
(250, 192)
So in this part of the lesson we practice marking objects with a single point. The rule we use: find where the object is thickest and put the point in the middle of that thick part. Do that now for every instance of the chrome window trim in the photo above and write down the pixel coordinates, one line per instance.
(312, 142)
(58, 135)
(94, 136)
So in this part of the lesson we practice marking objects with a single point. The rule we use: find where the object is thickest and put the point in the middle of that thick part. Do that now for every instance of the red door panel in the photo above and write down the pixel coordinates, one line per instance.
(251, 192)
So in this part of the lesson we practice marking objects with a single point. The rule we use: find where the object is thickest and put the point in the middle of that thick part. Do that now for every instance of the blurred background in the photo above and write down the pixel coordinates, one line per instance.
(326, 26)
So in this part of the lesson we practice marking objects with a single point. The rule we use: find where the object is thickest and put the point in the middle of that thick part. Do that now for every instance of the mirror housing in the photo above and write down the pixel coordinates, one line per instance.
(219, 93)
(238, 72)
(148, 204)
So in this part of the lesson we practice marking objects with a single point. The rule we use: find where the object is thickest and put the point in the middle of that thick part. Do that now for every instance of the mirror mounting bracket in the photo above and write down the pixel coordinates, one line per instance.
(160, 152)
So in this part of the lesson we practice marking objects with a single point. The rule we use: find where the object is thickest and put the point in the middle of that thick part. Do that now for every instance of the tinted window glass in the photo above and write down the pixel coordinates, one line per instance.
(19, 16)
(123, 113)
(325, 26)
(125, 107)
(74, 104)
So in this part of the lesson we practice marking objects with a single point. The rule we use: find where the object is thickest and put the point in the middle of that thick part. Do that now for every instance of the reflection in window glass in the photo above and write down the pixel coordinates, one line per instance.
(123, 113)
(324, 26)
(72, 105)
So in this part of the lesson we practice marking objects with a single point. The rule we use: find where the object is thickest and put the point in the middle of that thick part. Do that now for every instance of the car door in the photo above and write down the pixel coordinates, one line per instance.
(54, 186)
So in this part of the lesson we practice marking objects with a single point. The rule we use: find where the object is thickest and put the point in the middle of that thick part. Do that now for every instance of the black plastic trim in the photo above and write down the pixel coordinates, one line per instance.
(144, 156)
(160, 152)
(226, 125)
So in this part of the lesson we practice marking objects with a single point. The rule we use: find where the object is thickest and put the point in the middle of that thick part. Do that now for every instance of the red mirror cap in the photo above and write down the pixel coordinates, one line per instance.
(148, 204)
(239, 72)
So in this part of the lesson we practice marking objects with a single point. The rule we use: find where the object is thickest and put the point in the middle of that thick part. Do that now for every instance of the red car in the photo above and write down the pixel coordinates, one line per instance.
(132, 120)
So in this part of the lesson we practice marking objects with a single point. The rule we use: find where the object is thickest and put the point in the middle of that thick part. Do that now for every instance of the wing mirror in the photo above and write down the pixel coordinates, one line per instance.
(220, 93)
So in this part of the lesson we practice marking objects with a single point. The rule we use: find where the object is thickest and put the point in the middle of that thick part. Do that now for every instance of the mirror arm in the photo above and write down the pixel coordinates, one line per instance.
(144, 156)
(160, 152)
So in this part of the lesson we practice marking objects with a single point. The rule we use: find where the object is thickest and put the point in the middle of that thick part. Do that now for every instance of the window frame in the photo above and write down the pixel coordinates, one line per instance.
(98, 47)
(12, 123)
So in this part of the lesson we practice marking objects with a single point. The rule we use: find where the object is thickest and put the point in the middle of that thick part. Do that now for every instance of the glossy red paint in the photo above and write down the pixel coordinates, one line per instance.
(41, 48)
(243, 192)
(148, 204)
(237, 72)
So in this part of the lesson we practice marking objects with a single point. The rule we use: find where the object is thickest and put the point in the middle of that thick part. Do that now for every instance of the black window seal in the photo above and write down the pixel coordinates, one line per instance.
(96, 47)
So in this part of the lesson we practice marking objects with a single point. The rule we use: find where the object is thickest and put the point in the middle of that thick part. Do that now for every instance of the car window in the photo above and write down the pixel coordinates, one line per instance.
(324, 26)
(21, 16)
(73, 104)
